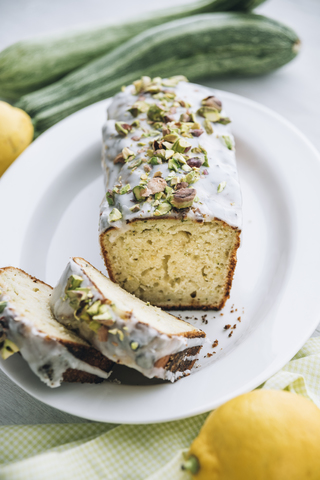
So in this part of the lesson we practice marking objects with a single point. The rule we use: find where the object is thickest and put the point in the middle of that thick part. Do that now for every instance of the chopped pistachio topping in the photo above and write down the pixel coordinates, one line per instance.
(110, 197)
(137, 191)
(173, 164)
(127, 153)
(74, 281)
(115, 215)
(209, 113)
(135, 208)
(173, 81)
(181, 145)
(3, 306)
(125, 189)
(208, 127)
(122, 128)
(95, 326)
(192, 177)
(163, 208)
(156, 113)
(138, 107)
(221, 186)
(226, 140)
(134, 345)
(8, 348)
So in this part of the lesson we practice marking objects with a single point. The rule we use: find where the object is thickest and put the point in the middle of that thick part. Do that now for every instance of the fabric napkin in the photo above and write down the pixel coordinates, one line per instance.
(129, 452)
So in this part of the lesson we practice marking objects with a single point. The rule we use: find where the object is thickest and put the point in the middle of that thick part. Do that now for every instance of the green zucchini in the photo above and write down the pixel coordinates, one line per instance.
(207, 45)
(31, 64)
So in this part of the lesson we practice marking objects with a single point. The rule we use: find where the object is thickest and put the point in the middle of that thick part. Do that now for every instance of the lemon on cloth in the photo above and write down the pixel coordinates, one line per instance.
(261, 435)
(16, 133)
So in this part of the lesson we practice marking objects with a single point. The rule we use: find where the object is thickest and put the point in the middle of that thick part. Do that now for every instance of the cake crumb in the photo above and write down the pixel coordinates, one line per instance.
(204, 319)
(226, 327)
(209, 355)
(221, 314)
(215, 344)
(234, 327)
(230, 334)
(239, 319)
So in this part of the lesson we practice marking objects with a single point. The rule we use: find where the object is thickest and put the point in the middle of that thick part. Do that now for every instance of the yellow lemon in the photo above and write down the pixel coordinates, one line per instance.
(262, 435)
(16, 133)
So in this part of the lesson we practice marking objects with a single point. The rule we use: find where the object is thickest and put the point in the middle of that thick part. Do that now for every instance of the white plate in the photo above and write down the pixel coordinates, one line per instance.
(49, 211)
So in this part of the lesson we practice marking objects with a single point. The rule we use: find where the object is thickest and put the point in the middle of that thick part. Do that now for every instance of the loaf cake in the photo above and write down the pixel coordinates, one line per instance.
(27, 325)
(170, 222)
(125, 329)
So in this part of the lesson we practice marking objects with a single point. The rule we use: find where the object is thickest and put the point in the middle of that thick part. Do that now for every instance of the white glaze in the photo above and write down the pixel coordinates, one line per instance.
(39, 351)
(153, 344)
(225, 205)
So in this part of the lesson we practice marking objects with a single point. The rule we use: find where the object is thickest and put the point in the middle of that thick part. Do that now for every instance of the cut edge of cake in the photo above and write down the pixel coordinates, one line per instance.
(27, 325)
(123, 327)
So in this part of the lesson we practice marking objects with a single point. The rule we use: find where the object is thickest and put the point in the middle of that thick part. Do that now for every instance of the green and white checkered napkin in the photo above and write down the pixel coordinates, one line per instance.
(128, 452)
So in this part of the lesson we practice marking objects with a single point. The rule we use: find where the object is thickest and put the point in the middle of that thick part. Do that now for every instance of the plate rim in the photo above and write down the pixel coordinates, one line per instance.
(257, 380)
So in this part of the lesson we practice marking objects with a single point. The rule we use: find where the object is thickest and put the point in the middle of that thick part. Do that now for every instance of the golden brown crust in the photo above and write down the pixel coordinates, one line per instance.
(77, 376)
(181, 361)
(233, 263)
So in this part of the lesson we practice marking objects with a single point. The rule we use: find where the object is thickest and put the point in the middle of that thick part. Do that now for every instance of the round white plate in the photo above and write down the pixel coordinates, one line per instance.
(49, 211)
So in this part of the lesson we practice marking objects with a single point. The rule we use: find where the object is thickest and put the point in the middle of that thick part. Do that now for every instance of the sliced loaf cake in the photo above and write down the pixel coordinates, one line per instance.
(171, 220)
(27, 325)
(121, 326)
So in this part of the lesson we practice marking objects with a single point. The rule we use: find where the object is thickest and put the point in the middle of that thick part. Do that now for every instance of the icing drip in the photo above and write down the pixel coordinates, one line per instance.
(47, 357)
(152, 345)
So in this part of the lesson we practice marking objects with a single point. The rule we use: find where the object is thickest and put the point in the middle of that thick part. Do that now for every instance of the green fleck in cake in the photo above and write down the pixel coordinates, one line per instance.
(170, 223)
(27, 325)
(125, 329)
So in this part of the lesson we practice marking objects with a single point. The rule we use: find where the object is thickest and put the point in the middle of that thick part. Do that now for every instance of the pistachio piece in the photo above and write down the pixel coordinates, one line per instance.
(141, 85)
(164, 154)
(181, 145)
(8, 348)
(155, 161)
(173, 81)
(135, 208)
(155, 185)
(127, 153)
(209, 113)
(3, 306)
(163, 208)
(125, 189)
(119, 159)
(183, 197)
(137, 191)
(195, 162)
(221, 186)
(115, 215)
(94, 308)
(138, 107)
(135, 163)
(213, 102)
(110, 197)
(134, 345)
(156, 113)
(74, 281)
(186, 168)
(224, 120)
(226, 140)
(171, 137)
(192, 177)
(147, 168)
(196, 132)
(185, 118)
(123, 128)
(95, 326)
(168, 190)
(179, 157)
(173, 164)
(208, 127)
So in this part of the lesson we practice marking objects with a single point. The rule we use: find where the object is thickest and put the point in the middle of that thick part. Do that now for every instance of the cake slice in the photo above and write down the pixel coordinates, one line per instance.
(27, 325)
(122, 327)
(170, 223)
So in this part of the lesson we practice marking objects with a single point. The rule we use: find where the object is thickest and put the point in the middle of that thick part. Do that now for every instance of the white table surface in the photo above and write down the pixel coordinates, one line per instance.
(293, 91)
